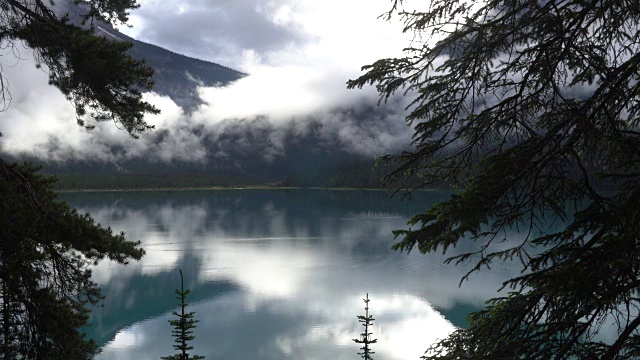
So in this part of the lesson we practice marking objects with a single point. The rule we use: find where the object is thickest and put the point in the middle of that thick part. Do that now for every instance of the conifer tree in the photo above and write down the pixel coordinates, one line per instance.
(11, 314)
(46, 248)
(365, 337)
(532, 108)
(94, 73)
(183, 327)
(45, 280)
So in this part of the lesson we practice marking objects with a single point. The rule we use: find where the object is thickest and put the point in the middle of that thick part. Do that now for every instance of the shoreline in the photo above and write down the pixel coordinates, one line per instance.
(221, 188)
(228, 188)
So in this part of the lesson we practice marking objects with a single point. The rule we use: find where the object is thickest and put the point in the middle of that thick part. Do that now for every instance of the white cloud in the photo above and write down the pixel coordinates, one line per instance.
(299, 55)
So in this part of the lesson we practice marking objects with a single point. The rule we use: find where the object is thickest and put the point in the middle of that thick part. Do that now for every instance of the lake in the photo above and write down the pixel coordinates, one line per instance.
(276, 274)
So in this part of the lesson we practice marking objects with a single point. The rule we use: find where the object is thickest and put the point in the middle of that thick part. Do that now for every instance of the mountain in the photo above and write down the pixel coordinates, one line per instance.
(177, 76)
(309, 152)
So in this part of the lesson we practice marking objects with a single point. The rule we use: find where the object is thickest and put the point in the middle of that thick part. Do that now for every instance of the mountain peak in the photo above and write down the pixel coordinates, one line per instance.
(177, 76)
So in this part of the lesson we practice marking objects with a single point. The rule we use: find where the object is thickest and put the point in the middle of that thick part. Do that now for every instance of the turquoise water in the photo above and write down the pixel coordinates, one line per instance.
(276, 274)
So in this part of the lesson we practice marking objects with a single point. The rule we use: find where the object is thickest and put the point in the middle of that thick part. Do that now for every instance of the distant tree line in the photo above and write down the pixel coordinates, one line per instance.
(144, 181)
(356, 173)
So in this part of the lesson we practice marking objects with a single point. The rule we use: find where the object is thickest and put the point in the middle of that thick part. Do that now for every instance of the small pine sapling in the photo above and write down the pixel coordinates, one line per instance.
(365, 337)
(183, 327)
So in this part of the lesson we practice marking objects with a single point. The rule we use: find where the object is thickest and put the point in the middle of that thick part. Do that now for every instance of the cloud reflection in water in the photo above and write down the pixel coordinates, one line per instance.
(276, 274)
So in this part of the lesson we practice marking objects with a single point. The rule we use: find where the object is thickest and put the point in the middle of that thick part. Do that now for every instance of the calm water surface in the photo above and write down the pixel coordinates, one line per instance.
(275, 274)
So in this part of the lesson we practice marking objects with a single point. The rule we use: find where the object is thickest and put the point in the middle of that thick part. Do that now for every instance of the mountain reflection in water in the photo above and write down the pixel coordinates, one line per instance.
(276, 274)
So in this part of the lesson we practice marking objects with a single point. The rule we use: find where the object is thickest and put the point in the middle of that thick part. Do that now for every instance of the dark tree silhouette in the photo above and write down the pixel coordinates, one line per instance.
(46, 248)
(533, 109)
(45, 282)
(365, 337)
(183, 327)
(94, 73)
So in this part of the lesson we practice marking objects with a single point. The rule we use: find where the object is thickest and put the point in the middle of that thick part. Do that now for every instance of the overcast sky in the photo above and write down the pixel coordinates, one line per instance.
(328, 36)
(299, 54)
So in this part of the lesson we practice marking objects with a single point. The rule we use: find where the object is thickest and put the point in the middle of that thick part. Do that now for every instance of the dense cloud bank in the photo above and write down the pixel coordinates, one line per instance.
(217, 130)
(299, 54)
